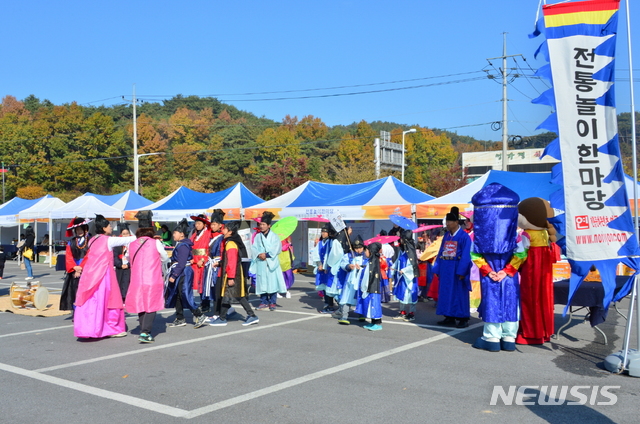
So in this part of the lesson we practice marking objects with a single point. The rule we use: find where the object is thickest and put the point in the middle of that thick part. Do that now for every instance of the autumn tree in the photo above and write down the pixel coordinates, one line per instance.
(283, 177)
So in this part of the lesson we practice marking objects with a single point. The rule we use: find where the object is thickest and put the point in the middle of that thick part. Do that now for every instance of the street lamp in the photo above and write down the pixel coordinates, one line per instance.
(412, 130)
(136, 163)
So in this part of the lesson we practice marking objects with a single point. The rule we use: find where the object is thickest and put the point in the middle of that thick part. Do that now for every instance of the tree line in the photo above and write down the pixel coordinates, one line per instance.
(206, 145)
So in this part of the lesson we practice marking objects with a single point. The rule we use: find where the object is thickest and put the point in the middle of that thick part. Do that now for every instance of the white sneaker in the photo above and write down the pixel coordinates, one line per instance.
(279, 296)
(288, 295)
(29, 278)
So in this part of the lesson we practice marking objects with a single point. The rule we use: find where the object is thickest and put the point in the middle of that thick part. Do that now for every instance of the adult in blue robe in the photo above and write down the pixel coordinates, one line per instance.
(452, 266)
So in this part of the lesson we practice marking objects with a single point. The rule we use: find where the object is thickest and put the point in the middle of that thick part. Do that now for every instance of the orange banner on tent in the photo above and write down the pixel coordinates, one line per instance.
(257, 213)
(230, 214)
(438, 211)
(383, 212)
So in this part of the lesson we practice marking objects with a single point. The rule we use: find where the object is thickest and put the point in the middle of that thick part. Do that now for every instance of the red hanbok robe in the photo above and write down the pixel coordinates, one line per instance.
(536, 290)
(200, 252)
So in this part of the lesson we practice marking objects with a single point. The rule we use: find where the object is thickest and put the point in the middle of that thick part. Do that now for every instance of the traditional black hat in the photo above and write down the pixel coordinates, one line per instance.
(454, 214)
(145, 219)
(217, 216)
(182, 227)
(406, 235)
(267, 217)
(358, 242)
(327, 227)
(232, 226)
(101, 221)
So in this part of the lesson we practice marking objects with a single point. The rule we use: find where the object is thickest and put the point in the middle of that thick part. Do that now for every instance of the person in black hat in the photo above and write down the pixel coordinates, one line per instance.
(369, 304)
(146, 292)
(452, 266)
(76, 250)
(405, 272)
(351, 271)
(209, 293)
(121, 262)
(265, 264)
(327, 256)
(179, 289)
(231, 280)
(200, 237)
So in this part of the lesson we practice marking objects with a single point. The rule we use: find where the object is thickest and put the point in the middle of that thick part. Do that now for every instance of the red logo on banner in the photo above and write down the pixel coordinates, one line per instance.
(582, 222)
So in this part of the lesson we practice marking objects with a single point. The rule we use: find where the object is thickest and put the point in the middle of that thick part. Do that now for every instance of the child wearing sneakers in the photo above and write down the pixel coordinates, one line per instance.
(405, 275)
(350, 274)
(369, 302)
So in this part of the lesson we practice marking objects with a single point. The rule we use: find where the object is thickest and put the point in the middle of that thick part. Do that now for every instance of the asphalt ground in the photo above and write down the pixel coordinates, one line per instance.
(298, 366)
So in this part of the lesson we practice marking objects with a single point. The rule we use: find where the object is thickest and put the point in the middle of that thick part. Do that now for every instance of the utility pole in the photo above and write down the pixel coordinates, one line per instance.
(136, 187)
(504, 98)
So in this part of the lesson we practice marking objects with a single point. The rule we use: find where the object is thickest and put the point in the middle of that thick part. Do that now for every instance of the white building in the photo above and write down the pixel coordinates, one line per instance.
(520, 160)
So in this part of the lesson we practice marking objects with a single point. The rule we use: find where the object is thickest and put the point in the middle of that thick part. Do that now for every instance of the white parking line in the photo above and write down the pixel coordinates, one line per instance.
(181, 413)
(412, 324)
(329, 371)
(130, 400)
(36, 331)
(170, 345)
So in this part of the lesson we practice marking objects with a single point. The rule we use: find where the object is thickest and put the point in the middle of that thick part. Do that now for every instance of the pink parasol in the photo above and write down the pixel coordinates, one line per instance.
(381, 240)
(318, 218)
(426, 227)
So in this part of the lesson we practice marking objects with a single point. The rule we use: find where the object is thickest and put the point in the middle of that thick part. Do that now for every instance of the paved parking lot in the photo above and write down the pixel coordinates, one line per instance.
(296, 366)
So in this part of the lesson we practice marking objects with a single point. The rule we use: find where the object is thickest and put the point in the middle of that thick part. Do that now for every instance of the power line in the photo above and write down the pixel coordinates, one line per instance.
(326, 88)
(356, 93)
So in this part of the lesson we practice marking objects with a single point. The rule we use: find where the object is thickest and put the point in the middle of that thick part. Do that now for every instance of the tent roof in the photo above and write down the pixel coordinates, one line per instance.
(185, 202)
(41, 209)
(352, 201)
(127, 200)
(9, 210)
(236, 196)
(183, 198)
(17, 204)
(525, 184)
(386, 191)
(85, 207)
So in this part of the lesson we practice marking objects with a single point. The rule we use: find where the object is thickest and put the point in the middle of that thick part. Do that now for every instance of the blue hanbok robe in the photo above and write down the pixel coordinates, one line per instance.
(501, 300)
(350, 278)
(329, 253)
(211, 267)
(369, 304)
(454, 261)
(405, 287)
(181, 272)
(268, 273)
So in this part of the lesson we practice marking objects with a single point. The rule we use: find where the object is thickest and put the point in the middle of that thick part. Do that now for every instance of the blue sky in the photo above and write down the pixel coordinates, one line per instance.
(91, 51)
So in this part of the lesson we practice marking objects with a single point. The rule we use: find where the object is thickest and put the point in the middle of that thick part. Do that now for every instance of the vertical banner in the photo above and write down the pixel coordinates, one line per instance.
(597, 223)
(581, 39)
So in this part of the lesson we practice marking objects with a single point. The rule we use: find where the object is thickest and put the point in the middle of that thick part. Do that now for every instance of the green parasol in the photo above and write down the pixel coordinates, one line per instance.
(285, 227)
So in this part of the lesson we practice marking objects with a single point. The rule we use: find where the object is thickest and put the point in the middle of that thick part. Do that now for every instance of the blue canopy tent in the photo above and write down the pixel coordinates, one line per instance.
(125, 201)
(525, 184)
(369, 200)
